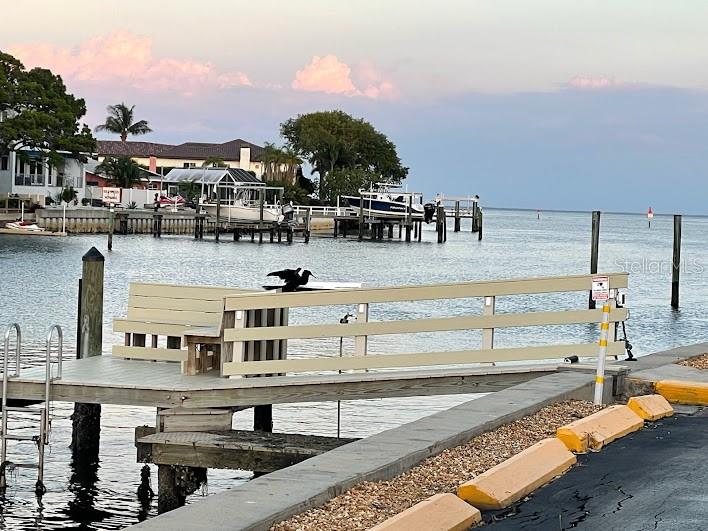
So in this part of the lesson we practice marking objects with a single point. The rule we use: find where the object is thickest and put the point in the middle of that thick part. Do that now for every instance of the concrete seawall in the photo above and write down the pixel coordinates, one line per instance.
(261, 502)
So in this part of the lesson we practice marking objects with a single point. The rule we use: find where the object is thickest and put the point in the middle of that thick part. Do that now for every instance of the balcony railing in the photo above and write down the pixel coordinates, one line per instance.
(29, 179)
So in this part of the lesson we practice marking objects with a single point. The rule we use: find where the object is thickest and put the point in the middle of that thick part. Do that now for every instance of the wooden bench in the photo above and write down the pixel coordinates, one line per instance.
(190, 316)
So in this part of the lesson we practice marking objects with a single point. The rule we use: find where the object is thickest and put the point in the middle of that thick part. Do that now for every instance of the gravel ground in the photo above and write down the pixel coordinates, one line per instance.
(369, 503)
(697, 362)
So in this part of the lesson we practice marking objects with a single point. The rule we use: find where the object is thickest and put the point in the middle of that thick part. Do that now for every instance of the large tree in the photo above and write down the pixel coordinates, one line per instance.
(121, 121)
(39, 113)
(334, 141)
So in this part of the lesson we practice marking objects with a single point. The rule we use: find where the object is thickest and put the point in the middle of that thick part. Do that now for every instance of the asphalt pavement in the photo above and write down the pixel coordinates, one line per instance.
(654, 479)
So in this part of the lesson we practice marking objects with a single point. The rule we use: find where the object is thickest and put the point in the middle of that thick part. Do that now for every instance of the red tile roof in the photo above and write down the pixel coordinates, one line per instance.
(189, 150)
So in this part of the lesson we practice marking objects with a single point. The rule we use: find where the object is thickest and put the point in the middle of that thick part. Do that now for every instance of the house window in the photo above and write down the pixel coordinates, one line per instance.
(189, 165)
(4, 163)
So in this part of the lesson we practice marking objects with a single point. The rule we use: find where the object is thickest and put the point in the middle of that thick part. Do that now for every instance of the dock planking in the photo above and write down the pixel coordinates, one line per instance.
(110, 380)
(234, 449)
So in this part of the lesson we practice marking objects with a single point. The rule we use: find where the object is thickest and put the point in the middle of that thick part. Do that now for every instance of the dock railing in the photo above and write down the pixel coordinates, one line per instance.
(488, 321)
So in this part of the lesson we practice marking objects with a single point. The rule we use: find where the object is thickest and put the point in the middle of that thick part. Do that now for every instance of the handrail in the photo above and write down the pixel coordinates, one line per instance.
(459, 290)
(60, 341)
(414, 326)
(18, 332)
(5, 377)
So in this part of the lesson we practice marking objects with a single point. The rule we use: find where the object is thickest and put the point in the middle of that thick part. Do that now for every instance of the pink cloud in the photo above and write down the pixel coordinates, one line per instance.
(329, 75)
(127, 59)
(592, 82)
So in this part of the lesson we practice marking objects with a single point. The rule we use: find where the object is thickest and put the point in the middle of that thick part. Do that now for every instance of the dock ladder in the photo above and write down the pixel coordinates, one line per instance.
(44, 420)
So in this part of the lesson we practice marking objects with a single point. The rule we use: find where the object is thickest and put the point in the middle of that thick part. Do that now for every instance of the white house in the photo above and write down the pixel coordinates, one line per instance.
(24, 172)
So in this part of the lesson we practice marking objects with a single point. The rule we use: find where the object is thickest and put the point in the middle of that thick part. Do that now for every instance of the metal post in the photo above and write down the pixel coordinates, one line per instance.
(676, 262)
(594, 248)
(600, 375)
(361, 217)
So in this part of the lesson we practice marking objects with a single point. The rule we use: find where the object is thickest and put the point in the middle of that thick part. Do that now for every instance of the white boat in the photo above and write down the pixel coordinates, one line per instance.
(25, 226)
(240, 211)
(383, 200)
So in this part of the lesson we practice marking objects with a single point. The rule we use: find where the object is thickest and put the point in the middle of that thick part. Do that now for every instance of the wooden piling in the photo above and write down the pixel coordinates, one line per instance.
(457, 217)
(86, 420)
(594, 250)
(308, 224)
(676, 262)
(175, 483)
(218, 219)
(480, 224)
(263, 418)
(440, 223)
(420, 231)
(110, 228)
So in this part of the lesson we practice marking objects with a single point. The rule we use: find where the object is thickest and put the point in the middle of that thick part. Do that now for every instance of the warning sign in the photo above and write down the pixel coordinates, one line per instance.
(111, 195)
(600, 288)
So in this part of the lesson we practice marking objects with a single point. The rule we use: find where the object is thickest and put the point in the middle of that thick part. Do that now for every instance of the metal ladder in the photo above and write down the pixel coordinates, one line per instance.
(44, 420)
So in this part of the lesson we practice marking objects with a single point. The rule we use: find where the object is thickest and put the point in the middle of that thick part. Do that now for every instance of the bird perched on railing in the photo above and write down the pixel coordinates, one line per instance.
(294, 278)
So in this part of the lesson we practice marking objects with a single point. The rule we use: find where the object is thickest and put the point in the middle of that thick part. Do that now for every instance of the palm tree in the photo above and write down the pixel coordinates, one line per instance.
(120, 122)
(214, 162)
(123, 172)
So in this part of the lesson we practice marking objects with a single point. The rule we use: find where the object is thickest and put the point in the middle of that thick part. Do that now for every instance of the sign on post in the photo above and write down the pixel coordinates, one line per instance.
(601, 292)
(111, 196)
(600, 288)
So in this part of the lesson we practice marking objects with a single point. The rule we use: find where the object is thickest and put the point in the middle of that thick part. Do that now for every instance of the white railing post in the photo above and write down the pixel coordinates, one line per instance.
(361, 342)
(238, 349)
(488, 333)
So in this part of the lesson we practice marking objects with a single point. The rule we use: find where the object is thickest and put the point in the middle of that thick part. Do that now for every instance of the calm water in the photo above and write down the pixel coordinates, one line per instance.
(38, 283)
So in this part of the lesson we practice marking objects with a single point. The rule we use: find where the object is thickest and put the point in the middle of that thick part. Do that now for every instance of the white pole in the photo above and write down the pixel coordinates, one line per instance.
(604, 330)
(63, 220)
(22, 210)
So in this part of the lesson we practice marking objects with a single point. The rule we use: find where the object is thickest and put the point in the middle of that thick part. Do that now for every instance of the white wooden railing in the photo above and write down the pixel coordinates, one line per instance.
(488, 321)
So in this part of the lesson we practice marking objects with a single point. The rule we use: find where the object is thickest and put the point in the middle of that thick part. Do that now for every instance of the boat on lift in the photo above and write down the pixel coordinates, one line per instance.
(244, 205)
(387, 201)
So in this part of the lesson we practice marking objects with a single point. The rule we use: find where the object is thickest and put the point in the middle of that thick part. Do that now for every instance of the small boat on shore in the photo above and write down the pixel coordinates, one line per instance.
(26, 226)
(383, 200)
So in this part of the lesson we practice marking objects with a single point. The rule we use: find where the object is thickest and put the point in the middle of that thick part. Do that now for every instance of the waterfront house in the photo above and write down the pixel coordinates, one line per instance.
(26, 173)
(161, 158)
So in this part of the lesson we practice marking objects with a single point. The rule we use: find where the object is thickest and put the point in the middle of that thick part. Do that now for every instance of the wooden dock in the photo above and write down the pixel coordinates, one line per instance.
(235, 449)
(111, 380)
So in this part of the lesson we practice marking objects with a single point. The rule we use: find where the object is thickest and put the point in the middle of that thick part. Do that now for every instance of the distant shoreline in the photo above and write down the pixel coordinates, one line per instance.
(560, 211)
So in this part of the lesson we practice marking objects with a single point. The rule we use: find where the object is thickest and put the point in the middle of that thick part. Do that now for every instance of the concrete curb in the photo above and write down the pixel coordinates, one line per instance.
(260, 503)
(441, 512)
(683, 392)
(599, 429)
(650, 407)
(508, 482)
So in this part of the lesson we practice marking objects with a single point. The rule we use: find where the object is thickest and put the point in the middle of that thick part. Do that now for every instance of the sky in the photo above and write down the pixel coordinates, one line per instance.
(548, 104)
